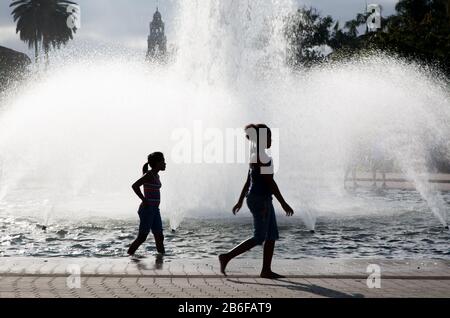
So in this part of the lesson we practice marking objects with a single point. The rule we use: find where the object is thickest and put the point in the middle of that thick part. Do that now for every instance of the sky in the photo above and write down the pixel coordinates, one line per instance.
(119, 22)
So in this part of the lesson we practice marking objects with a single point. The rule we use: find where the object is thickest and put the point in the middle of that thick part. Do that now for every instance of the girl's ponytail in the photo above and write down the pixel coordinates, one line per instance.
(145, 168)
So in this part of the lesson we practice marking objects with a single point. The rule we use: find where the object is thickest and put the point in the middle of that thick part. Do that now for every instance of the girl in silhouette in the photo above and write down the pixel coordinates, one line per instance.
(258, 189)
(149, 215)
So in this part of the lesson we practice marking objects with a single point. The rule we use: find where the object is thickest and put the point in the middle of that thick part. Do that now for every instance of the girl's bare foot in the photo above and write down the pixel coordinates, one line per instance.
(271, 275)
(223, 259)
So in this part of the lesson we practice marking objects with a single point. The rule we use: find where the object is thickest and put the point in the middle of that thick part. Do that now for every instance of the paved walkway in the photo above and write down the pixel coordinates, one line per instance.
(155, 277)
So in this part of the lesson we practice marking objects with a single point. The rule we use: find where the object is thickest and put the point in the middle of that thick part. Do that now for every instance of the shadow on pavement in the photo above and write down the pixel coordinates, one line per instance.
(309, 288)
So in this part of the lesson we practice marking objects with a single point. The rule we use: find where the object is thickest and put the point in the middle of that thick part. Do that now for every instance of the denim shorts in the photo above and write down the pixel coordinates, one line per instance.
(264, 220)
(150, 219)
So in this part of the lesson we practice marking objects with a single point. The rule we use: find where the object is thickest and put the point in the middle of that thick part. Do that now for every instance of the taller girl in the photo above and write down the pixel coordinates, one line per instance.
(259, 188)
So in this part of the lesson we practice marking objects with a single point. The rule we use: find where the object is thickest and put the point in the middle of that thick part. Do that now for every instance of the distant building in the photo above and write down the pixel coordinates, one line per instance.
(13, 67)
(157, 42)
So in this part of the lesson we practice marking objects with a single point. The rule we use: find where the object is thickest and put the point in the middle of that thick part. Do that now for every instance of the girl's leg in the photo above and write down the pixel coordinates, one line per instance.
(135, 245)
(269, 245)
(238, 250)
(159, 241)
(266, 272)
(157, 230)
(144, 229)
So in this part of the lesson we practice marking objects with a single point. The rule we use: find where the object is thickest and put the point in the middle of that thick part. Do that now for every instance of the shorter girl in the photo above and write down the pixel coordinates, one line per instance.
(149, 215)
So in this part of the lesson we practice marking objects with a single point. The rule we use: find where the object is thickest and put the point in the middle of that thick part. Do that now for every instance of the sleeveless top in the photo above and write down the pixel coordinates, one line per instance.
(152, 191)
(258, 186)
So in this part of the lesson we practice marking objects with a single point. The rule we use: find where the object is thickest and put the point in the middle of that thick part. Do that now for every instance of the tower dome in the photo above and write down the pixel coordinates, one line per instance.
(157, 15)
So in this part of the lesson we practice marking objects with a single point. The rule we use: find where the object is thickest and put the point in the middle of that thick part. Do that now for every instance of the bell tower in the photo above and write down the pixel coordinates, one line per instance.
(157, 41)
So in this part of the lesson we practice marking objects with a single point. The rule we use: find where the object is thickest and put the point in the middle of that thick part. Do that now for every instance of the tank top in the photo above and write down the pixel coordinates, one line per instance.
(152, 191)
(258, 186)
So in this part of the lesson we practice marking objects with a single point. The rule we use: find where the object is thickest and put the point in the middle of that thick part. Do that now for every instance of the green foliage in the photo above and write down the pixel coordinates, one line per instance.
(42, 22)
(419, 30)
(306, 31)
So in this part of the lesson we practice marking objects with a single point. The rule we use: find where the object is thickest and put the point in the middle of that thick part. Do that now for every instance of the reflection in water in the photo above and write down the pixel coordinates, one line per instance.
(141, 263)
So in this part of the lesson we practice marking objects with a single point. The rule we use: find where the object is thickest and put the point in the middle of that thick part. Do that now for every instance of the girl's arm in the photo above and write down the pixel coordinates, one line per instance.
(137, 186)
(244, 191)
(276, 192)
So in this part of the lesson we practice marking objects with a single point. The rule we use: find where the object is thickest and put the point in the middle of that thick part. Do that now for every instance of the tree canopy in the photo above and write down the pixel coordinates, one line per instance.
(420, 30)
(43, 22)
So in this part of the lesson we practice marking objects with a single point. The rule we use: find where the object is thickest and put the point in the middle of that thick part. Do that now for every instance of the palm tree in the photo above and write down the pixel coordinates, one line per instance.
(43, 22)
(353, 25)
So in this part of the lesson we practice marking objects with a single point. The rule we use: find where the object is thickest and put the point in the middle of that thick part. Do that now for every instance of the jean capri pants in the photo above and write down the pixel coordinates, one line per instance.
(264, 220)
(150, 219)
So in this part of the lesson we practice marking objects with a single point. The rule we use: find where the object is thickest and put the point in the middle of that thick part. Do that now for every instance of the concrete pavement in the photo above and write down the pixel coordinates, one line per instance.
(185, 278)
